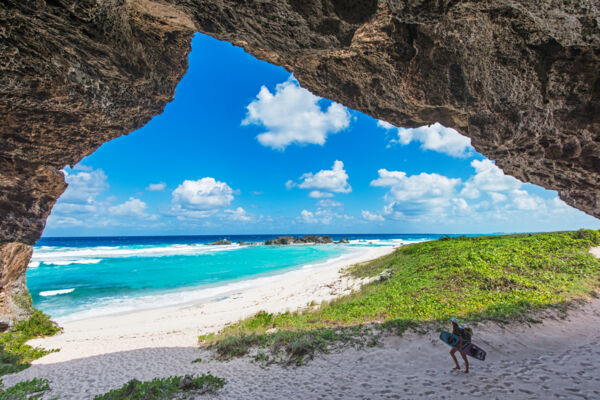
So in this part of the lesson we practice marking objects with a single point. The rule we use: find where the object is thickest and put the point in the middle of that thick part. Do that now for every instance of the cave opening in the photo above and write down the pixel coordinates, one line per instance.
(189, 231)
(244, 150)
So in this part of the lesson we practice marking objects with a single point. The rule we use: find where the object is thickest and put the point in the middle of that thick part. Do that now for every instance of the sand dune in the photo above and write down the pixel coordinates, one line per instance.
(556, 359)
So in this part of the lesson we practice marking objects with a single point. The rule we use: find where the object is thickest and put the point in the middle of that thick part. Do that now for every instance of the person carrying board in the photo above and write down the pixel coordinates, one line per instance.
(465, 340)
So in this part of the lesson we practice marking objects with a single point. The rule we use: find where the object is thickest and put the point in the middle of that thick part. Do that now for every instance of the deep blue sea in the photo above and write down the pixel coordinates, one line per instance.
(82, 277)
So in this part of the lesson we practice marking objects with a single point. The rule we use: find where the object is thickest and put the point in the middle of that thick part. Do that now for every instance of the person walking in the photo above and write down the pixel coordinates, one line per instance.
(464, 341)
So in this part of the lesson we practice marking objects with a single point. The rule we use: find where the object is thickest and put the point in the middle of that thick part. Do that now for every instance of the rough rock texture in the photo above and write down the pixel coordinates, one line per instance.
(220, 243)
(308, 239)
(14, 296)
(519, 77)
(73, 75)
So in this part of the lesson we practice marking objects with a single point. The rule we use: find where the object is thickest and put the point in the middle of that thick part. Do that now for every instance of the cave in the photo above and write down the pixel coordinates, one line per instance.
(520, 79)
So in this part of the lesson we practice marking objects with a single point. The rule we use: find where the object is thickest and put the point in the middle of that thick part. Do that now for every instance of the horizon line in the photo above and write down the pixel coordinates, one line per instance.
(290, 234)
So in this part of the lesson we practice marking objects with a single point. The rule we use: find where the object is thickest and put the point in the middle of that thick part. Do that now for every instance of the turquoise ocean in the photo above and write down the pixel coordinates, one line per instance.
(84, 277)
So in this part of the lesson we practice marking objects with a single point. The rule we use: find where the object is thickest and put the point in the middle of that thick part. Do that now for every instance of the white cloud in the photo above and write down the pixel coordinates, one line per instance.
(64, 208)
(205, 198)
(79, 203)
(156, 187)
(184, 214)
(502, 189)
(131, 208)
(317, 194)
(292, 115)
(369, 216)
(84, 186)
(331, 180)
(81, 206)
(308, 217)
(488, 178)
(434, 137)
(498, 197)
(323, 216)
(385, 125)
(329, 203)
(290, 184)
(489, 200)
(53, 219)
(557, 205)
(417, 195)
(202, 195)
(488, 195)
(415, 187)
(460, 206)
(239, 214)
(525, 201)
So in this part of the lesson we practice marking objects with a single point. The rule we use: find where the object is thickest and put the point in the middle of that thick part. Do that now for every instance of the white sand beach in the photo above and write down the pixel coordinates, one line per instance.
(559, 358)
(180, 326)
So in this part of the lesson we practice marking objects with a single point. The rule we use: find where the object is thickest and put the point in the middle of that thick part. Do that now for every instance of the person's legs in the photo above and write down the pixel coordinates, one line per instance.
(452, 351)
(464, 357)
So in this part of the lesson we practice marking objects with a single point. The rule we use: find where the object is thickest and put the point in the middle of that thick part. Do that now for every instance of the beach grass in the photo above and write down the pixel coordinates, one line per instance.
(173, 387)
(33, 389)
(15, 355)
(498, 278)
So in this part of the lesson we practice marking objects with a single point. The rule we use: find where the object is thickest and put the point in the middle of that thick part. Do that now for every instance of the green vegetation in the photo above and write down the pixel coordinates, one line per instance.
(32, 389)
(15, 355)
(173, 387)
(23, 301)
(289, 346)
(498, 278)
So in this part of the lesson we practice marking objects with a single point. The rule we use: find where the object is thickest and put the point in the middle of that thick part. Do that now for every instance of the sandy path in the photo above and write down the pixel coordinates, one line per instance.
(558, 359)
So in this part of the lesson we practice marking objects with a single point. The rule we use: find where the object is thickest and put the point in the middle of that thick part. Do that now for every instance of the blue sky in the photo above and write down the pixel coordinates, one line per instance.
(244, 149)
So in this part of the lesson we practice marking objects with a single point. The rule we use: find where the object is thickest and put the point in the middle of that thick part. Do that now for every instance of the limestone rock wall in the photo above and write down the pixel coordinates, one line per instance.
(14, 297)
(520, 78)
(73, 75)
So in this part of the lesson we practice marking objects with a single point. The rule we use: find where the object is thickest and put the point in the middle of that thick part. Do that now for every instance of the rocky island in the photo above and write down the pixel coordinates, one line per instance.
(308, 239)
(223, 242)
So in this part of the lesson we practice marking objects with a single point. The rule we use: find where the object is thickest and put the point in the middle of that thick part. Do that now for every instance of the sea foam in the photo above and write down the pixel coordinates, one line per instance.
(93, 255)
(49, 293)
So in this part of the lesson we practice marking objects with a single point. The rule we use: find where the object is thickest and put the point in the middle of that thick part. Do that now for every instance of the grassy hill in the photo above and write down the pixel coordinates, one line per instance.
(473, 278)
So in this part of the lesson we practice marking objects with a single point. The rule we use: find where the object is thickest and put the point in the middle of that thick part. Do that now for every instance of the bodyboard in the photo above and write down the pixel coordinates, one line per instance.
(471, 350)
(474, 351)
(449, 338)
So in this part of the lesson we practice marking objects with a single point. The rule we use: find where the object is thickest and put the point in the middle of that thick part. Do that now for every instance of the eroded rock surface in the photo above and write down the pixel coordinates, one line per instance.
(519, 77)
(307, 239)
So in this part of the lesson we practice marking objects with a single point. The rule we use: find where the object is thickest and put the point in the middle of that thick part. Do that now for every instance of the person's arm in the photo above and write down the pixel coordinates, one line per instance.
(460, 342)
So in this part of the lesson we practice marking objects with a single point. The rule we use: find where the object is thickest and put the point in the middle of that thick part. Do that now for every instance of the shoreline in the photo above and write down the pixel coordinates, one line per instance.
(180, 325)
(198, 295)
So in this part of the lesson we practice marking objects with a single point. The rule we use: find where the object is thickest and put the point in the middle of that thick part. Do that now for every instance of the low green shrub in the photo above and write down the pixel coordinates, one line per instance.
(33, 389)
(15, 355)
(173, 387)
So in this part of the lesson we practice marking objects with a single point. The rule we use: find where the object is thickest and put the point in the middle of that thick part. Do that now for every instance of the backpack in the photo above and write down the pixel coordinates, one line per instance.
(468, 332)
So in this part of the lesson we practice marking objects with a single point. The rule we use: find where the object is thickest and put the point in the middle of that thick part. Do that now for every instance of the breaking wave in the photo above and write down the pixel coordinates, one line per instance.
(49, 293)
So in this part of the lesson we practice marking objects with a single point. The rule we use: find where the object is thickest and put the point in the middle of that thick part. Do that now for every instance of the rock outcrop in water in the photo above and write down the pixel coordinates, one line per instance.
(223, 242)
(308, 239)
(518, 77)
